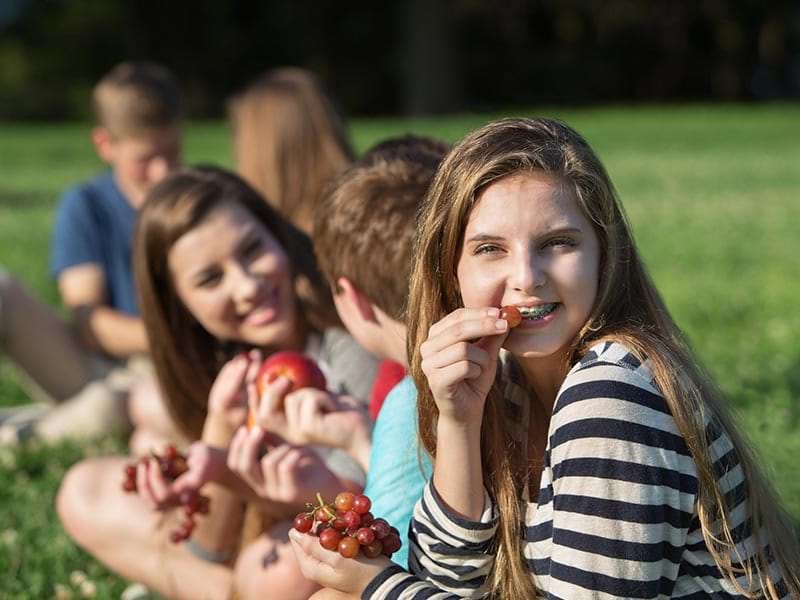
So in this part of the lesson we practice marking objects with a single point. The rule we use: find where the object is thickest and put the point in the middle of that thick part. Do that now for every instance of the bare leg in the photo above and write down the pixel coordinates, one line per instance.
(269, 564)
(149, 415)
(328, 594)
(124, 534)
(40, 342)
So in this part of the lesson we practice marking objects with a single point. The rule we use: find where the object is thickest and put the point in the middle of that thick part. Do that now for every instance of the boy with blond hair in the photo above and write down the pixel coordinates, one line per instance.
(91, 369)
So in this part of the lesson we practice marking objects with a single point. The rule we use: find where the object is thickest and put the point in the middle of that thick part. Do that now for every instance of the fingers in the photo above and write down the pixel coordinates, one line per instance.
(467, 326)
(243, 456)
(271, 403)
(311, 553)
(461, 314)
(305, 410)
(278, 468)
(254, 360)
(458, 372)
(458, 352)
(153, 487)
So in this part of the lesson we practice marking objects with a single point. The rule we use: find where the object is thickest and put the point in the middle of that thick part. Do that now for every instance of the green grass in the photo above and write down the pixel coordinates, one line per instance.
(712, 194)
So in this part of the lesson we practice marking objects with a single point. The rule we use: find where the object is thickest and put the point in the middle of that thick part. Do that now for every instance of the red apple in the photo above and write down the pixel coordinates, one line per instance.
(298, 368)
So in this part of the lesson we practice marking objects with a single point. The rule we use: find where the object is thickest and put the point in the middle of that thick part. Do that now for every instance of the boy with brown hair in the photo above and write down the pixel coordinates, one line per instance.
(138, 133)
(364, 236)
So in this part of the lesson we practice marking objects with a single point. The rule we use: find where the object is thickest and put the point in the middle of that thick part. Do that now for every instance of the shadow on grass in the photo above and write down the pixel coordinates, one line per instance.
(24, 199)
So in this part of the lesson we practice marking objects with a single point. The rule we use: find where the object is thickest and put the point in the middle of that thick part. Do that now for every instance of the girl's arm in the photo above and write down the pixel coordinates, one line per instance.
(460, 373)
(619, 487)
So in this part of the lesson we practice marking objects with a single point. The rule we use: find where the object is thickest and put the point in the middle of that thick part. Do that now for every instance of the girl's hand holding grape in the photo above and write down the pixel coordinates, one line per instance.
(341, 545)
(459, 359)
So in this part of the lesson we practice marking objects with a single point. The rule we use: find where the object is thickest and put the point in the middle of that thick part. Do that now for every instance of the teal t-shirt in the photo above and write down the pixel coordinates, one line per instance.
(398, 471)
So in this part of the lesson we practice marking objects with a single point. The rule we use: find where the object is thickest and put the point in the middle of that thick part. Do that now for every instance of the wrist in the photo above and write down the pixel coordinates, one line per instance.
(217, 431)
(448, 426)
(360, 445)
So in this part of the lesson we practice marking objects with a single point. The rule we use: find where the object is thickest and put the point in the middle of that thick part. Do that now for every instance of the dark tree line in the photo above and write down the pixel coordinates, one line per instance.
(407, 56)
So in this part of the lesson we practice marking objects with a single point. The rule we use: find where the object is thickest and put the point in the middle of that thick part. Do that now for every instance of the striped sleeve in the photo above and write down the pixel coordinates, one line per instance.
(449, 556)
(622, 491)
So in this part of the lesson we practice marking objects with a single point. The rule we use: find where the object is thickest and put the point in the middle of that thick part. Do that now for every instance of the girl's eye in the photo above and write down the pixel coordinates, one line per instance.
(560, 241)
(487, 249)
(251, 248)
(209, 280)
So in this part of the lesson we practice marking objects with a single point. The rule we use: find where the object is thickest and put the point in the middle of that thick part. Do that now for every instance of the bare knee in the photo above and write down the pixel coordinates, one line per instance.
(147, 411)
(328, 594)
(269, 564)
(77, 501)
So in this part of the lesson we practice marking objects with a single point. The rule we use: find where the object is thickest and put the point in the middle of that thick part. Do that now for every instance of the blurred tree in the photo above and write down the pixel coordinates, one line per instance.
(406, 56)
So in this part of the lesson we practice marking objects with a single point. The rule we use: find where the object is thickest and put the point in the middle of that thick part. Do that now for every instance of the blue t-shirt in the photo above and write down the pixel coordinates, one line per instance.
(398, 471)
(94, 224)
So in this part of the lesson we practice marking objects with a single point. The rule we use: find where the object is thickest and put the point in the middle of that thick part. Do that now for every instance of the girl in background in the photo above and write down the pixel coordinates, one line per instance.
(582, 453)
(219, 273)
(289, 141)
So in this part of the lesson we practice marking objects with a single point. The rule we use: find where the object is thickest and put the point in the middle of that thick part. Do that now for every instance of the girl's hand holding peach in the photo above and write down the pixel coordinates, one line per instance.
(459, 359)
(227, 399)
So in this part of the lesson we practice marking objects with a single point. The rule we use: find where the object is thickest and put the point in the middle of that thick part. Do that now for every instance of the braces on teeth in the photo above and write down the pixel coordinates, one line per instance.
(536, 312)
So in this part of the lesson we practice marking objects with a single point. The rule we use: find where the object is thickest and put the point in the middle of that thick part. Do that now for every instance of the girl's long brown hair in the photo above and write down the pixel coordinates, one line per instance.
(289, 141)
(186, 357)
(628, 309)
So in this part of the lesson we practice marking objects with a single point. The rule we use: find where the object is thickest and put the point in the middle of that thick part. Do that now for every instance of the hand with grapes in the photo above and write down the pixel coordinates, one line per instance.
(342, 545)
(164, 482)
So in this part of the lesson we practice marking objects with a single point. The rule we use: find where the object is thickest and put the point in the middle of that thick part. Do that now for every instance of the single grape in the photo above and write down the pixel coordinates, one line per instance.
(381, 528)
(303, 522)
(391, 544)
(362, 504)
(352, 519)
(373, 550)
(322, 515)
(330, 538)
(349, 547)
(338, 523)
(321, 527)
(344, 501)
(365, 536)
(512, 315)
(367, 519)
(170, 452)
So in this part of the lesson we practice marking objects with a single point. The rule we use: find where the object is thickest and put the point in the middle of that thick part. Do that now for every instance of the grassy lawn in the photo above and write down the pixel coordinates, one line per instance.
(711, 191)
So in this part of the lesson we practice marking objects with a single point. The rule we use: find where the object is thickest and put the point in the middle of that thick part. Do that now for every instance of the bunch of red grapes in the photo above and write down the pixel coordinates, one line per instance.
(172, 464)
(349, 527)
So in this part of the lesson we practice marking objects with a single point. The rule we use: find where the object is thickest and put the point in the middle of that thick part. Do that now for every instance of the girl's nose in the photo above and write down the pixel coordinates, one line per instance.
(527, 274)
(245, 285)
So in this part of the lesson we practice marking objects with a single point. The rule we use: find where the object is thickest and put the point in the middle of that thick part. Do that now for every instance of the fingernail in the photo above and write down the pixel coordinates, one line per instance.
(501, 324)
(493, 311)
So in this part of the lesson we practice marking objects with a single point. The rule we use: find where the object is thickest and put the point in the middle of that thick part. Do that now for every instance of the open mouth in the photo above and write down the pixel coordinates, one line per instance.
(265, 311)
(536, 313)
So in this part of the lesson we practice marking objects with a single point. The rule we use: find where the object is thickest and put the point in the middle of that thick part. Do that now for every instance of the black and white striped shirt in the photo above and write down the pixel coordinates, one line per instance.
(616, 515)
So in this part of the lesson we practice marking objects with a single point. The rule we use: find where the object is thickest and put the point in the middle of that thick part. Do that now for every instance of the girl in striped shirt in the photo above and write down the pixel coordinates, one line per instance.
(582, 453)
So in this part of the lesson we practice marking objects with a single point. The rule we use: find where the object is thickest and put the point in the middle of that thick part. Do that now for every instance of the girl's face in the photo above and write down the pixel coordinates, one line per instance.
(235, 279)
(526, 244)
